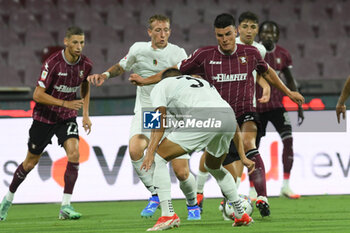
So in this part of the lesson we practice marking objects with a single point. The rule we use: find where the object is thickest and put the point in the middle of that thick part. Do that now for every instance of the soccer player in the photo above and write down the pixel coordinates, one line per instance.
(341, 108)
(145, 59)
(273, 111)
(182, 96)
(248, 29)
(55, 113)
(229, 68)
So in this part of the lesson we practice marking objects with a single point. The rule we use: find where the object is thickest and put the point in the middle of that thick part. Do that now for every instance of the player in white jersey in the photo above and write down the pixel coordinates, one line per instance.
(145, 59)
(182, 96)
(344, 95)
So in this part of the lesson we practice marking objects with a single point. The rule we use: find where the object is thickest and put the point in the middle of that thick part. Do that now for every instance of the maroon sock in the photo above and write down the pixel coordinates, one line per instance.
(258, 176)
(18, 177)
(70, 177)
(287, 155)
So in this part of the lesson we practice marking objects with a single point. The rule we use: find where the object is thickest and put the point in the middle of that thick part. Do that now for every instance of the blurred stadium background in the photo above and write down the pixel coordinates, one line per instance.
(316, 32)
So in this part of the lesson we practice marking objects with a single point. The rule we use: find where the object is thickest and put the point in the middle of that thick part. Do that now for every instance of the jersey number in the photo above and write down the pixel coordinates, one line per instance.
(200, 84)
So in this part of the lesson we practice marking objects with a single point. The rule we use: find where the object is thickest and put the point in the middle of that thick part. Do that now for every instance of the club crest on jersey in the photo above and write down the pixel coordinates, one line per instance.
(243, 60)
(81, 74)
(155, 62)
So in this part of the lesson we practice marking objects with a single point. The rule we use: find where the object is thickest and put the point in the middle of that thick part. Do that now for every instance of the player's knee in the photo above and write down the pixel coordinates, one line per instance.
(135, 153)
(181, 173)
(73, 156)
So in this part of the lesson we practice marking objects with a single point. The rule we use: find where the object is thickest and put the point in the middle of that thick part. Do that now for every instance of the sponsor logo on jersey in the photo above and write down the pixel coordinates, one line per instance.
(43, 75)
(151, 119)
(214, 62)
(62, 74)
(65, 89)
(243, 60)
(230, 77)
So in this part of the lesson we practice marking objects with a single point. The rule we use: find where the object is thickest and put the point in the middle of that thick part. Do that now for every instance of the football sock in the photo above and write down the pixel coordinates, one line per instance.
(258, 176)
(70, 177)
(161, 180)
(228, 187)
(9, 196)
(286, 183)
(238, 181)
(66, 199)
(18, 177)
(188, 188)
(287, 155)
(145, 177)
(201, 179)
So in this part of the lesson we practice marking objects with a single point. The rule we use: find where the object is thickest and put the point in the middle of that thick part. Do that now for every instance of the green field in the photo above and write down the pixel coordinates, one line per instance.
(309, 214)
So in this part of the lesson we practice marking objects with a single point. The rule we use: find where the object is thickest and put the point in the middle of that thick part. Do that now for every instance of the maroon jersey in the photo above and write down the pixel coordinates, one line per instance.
(230, 74)
(61, 80)
(278, 59)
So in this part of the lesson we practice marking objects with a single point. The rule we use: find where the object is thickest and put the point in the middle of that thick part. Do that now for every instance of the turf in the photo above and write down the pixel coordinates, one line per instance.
(309, 214)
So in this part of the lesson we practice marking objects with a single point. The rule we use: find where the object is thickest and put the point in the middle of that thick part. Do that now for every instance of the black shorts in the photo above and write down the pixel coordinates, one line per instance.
(40, 134)
(279, 119)
(233, 153)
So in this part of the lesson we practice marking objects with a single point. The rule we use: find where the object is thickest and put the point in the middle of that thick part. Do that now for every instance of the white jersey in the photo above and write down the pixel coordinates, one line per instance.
(146, 61)
(255, 44)
(186, 92)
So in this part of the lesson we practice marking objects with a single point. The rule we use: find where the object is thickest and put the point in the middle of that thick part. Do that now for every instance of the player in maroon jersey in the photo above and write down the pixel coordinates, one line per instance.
(280, 60)
(341, 108)
(228, 66)
(55, 112)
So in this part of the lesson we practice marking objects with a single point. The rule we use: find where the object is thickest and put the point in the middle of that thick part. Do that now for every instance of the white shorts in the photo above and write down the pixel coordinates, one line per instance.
(136, 128)
(217, 143)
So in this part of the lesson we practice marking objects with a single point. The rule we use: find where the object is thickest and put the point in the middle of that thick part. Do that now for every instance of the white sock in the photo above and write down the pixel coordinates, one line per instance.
(228, 188)
(145, 177)
(161, 180)
(10, 196)
(188, 188)
(66, 199)
(238, 182)
(201, 179)
(286, 183)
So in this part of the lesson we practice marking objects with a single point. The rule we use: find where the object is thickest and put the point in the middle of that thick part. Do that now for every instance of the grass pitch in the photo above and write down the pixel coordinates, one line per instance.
(308, 214)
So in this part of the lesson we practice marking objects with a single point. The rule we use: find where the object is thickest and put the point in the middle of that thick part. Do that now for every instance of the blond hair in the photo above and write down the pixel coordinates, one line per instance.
(161, 18)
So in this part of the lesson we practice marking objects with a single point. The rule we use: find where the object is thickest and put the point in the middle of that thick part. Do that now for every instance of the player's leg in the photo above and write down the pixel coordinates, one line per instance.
(249, 133)
(281, 122)
(137, 145)
(188, 186)
(68, 137)
(201, 178)
(166, 151)
(39, 136)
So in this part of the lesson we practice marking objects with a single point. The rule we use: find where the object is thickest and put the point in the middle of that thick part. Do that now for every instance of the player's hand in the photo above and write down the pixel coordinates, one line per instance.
(296, 97)
(249, 164)
(87, 124)
(148, 161)
(300, 115)
(97, 79)
(340, 109)
(136, 79)
(264, 99)
(74, 104)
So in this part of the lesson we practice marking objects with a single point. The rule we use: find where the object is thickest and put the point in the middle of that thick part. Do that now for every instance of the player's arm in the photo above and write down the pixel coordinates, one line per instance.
(291, 84)
(237, 139)
(40, 96)
(99, 79)
(344, 95)
(85, 95)
(139, 81)
(155, 138)
(266, 89)
(271, 76)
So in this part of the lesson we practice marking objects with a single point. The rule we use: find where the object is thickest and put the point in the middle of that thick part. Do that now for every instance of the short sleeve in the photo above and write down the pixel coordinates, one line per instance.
(46, 75)
(192, 64)
(128, 61)
(289, 62)
(158, 95)
(261, 66)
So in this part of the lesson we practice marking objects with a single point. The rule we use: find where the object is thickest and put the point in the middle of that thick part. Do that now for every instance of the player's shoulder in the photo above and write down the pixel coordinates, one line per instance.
(259, 46)
(243, 48)
(54, 58)
(86, 60)
(140, 45)
(206, 49)
(173, 46)
(281, 49)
